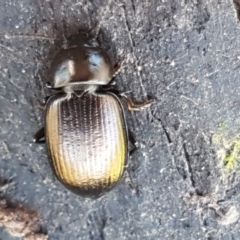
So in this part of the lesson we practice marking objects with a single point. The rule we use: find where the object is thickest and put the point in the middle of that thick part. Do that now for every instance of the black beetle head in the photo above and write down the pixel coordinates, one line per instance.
(81, 39)
(81, 61)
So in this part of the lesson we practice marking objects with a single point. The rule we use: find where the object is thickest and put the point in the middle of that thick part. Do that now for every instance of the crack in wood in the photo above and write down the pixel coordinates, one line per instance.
(127, 26)
(163, 127)
(188, 165)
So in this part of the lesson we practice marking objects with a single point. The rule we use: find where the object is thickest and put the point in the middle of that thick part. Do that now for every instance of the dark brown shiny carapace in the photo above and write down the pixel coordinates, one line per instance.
(85, 129)
(87, 141)
(81, 61)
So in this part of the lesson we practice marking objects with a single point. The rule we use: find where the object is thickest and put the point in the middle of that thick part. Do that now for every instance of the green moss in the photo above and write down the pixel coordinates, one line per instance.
(232, 155)
(228, 149)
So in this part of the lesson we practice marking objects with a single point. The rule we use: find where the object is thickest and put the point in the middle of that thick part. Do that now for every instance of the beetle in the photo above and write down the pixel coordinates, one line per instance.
(85, 129)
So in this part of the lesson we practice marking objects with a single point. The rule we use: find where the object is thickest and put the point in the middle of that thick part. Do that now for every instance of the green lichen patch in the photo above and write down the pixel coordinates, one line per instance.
(228, 149)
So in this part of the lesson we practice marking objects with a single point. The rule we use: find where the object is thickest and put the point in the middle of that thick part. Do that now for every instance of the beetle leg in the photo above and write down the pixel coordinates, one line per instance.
(137, 106)
(117, 67)
(133, 106)
(129, 181)
(133, 142)
(42, 104)
(49, 86)
(109, 88)
(39, 136)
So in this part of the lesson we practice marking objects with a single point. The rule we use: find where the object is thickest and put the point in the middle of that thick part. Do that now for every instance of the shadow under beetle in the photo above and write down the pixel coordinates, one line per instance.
(85, 128)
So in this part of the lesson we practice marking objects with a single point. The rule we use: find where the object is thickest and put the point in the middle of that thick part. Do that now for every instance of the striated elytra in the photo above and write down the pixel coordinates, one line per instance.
(85, 128)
